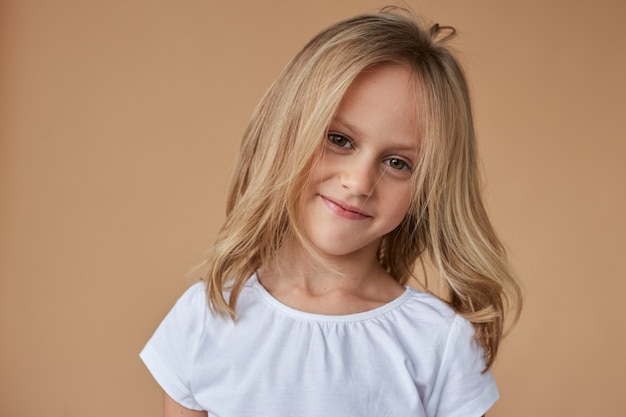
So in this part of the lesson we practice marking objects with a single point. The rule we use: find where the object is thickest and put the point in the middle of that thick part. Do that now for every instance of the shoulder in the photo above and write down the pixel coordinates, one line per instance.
(456, 329)
(170, 352)
(193, 302)
(431, 329)
(195, 299)
(439, 313)
(429, 303)
(449, 353)
(426, 310)
(195, 294)
(187, 315)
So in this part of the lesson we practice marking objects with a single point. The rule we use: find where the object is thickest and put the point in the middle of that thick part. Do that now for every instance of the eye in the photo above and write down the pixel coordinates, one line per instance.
(397, 163)
(339, 141)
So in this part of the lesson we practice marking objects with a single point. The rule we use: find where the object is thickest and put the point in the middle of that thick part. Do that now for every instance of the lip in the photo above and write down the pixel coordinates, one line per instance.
(344, 210)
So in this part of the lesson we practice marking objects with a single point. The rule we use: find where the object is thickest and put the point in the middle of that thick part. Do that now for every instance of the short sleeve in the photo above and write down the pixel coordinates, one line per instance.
(461, 389)
(170, 351)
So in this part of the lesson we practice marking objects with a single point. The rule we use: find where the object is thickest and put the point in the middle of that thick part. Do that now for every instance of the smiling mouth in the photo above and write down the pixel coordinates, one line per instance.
(344, 210)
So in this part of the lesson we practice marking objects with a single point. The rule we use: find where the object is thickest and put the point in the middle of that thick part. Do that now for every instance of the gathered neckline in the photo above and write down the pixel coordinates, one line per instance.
(303, 315)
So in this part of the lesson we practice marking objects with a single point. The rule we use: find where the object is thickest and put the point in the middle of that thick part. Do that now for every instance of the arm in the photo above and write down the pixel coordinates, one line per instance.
(172, 409)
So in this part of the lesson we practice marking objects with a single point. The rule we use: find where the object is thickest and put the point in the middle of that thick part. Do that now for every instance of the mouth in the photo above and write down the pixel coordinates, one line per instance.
(344, 210)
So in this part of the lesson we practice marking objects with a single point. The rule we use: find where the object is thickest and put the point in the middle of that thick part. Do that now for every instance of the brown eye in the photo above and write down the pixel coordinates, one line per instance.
(339, 140)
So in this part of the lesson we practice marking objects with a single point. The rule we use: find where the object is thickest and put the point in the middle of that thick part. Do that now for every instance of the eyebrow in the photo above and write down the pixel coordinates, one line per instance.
(347, 125)
(356, 131)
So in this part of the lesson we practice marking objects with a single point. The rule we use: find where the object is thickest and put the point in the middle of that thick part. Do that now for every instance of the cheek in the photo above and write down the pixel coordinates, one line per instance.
(321, 169)
(313, 172)
(402, 202)
(402, 209)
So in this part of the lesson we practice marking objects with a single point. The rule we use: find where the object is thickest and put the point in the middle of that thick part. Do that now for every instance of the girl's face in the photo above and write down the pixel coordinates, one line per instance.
(360, 189)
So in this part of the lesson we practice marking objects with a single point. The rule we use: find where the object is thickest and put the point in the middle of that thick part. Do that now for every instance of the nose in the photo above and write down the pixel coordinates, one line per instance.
(359, 176)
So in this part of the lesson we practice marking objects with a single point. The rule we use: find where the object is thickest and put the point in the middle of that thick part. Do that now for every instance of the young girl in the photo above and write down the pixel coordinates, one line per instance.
(359, 162)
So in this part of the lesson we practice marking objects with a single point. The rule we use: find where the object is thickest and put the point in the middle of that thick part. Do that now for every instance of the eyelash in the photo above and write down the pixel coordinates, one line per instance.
(404, 167)
(334, 137)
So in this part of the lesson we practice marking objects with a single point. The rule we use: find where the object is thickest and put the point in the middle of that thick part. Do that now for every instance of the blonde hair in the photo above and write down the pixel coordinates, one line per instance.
(447, 220)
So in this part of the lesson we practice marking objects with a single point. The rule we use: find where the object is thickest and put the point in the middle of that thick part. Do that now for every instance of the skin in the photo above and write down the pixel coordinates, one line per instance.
(358, 191)
(172, 409)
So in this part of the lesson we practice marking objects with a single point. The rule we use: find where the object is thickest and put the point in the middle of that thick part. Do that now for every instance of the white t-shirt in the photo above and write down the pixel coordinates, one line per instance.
(411, 357)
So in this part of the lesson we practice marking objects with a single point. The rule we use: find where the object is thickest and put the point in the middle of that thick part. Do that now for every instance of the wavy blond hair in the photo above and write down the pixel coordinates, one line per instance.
(447, 221)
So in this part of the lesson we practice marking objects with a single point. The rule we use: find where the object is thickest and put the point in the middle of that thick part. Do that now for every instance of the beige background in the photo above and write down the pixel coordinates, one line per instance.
(119, 122)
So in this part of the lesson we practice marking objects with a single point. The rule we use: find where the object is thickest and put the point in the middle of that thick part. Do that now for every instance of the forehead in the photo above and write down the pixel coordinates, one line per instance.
(382, 99)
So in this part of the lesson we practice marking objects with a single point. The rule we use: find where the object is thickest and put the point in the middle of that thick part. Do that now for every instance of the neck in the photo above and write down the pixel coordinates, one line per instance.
(328, 284)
